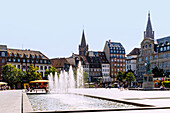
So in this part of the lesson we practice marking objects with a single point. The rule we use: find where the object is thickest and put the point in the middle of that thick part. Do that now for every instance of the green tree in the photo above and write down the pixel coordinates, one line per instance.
(157, 72)
(120, 77)
(130, 77)
(86, 78)
(12, 75)
(32, 74)
(51, 70)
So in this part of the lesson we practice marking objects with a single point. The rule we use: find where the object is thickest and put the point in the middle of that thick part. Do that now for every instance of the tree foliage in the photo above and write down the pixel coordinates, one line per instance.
(86, 78)
(32, 74)
(51, 70)
(11, 74)
(157, 72)
(120, 77)
(125, 77)
(130, 77)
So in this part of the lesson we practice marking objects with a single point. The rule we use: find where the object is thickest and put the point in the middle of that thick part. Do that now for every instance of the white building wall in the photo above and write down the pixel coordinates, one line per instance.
(106, 72)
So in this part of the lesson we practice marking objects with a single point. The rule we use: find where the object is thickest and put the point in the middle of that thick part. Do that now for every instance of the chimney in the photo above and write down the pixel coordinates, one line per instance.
(109, 41)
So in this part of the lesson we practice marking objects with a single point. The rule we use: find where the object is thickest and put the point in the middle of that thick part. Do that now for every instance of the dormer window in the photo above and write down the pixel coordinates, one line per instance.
(19, 55)
(41, 56)
(3, 54)
(32, 56)
(10, 54)
(15, 55)
(26, 56)
(164, 48)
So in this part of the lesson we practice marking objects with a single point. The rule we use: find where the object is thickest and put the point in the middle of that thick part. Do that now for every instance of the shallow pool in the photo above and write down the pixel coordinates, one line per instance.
(56, 102)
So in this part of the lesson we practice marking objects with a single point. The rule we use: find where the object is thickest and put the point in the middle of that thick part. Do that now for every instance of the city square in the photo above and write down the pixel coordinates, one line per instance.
(84, 56)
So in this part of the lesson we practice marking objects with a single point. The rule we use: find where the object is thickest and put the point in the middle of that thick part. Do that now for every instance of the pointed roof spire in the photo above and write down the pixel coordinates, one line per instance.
(83, 41)
(149, 33)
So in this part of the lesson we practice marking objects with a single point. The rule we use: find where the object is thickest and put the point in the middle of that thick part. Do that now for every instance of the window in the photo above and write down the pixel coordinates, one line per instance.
(146, 46)
(168, 48)
(164, 48)
(150, 45)
(41, 67)
(15, 55)
(32, 61)
(28, 60)
(18, 60)
(41, 61)
(19, 55)
(23, 60)
(10, 54)
(161, 49)
(3, 61)
(19, 67)
(23, 67)
(14, 60)
(36, 61)
(146, 58)
(9, 59)
(3, 54)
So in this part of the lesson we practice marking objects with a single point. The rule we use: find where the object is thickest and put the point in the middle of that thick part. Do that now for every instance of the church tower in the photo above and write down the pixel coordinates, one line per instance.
(149, 33)
(83, 48)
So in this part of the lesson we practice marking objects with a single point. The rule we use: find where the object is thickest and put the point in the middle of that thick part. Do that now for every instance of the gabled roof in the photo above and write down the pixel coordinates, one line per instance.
(26, 52)
(135, 51)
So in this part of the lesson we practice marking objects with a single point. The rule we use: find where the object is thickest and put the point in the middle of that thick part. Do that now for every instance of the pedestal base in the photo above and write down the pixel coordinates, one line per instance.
(148, 81)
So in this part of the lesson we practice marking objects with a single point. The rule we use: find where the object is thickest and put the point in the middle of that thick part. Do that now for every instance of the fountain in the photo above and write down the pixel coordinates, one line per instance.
(66, 80)
(60, 97)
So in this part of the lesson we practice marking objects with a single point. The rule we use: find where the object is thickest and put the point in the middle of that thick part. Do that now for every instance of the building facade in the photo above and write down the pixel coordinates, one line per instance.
(105, 67)
(157, 52)
(131, 60)
(21, 59)
(115, 53)
(95, 74)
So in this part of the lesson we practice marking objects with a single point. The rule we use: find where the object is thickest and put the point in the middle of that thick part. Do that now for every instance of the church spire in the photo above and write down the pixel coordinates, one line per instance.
(83, 41)
(83, 48)
(149, 33)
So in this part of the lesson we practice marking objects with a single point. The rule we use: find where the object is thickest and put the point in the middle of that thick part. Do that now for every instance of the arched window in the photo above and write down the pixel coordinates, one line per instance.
(3, 54)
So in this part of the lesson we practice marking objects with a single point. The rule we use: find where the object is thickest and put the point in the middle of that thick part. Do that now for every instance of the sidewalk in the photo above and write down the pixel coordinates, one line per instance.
(10, 101)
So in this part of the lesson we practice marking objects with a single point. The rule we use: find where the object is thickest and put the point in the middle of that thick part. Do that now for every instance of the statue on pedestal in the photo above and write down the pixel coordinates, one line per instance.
(147, 65)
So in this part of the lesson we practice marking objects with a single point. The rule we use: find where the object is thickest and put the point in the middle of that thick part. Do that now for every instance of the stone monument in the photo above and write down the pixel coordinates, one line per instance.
(148, 77)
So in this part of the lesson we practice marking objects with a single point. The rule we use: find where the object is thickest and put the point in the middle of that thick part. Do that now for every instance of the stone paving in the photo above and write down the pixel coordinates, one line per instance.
(10, 101)
(157, 99)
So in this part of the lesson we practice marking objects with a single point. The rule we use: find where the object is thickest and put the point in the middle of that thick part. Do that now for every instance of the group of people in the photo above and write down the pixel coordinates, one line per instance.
(4, 87)
(162, 87)
(123, 86)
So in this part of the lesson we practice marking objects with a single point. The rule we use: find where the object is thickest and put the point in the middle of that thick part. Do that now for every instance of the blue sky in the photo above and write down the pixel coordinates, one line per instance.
(55, 26)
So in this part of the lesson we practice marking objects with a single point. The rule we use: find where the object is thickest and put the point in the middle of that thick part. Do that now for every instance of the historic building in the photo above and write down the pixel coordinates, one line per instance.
(105, 67)
(95, 74)
(115, 53)
(131, 60)
(156, 51)
(63, 63)
(83, 47)
(23, 58)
